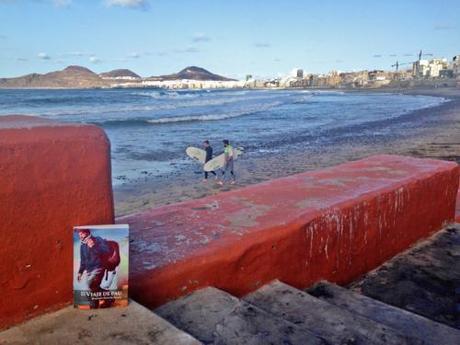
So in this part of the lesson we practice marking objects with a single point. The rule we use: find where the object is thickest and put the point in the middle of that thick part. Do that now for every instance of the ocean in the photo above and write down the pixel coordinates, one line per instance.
(150, 129)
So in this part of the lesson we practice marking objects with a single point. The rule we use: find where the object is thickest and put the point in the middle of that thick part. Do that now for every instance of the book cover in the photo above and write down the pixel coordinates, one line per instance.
(101, 262)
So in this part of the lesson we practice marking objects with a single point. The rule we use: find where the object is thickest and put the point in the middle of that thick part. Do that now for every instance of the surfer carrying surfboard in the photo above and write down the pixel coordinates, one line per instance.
(208, 149)
(228, 165)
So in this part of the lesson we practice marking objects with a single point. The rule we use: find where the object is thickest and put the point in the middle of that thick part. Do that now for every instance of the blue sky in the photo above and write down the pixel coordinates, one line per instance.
(233, 38)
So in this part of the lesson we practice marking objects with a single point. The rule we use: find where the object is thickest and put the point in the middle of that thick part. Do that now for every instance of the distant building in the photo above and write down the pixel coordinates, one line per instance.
(429, 69)
(456, 66)
(436, 66)
(377, 75)
(354, 79)
(420, 69)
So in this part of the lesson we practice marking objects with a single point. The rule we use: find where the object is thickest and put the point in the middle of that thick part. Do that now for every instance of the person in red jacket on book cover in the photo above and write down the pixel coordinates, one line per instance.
(93, 251)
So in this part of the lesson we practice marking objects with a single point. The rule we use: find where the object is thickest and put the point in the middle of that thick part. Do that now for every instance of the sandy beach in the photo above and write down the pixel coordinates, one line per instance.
(437, 135)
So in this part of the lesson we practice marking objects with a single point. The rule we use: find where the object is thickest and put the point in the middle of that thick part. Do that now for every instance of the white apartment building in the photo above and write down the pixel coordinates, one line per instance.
(429, 68)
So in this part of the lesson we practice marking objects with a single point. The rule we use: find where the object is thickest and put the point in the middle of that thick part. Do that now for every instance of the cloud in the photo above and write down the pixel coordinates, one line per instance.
(21, 59)
(77, 54)
(136, 4)
(377, 55)
(393, 55)
(57, 3)
(443, 27)
(44, 56)
(189, 49)
(201, 37)
(262, 45)
(62, 3)
(94, 59)
(134, 55)
(277, 60)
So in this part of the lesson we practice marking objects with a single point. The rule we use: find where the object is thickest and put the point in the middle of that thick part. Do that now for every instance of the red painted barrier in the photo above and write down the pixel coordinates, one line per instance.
(457, 210)
(333, 224)
(52, 176)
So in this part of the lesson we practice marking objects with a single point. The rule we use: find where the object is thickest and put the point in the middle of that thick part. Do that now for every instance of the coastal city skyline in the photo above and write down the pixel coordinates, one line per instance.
(264, 39)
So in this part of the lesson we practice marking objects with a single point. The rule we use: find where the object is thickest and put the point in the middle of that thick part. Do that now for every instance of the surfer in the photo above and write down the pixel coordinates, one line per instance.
(208, 149)
(228, 167)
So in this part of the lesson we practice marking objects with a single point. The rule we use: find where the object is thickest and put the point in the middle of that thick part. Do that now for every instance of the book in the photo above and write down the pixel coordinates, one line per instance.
(101, 266)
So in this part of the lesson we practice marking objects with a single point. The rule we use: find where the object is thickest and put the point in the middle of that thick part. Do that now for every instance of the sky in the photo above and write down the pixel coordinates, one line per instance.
(264, 38)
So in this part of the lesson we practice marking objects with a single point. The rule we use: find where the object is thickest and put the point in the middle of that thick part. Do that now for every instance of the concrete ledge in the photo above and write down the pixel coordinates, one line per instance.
(52, 176)
(333, 224)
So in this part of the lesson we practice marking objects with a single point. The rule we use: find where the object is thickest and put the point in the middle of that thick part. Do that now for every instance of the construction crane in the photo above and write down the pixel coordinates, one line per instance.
(420, 55)
(397, 64)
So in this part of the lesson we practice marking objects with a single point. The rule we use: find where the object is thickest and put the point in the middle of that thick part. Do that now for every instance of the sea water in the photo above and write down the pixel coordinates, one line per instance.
(150, 129)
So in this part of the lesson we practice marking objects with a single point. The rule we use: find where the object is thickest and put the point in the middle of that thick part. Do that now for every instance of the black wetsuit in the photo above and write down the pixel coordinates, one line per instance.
(208, 158)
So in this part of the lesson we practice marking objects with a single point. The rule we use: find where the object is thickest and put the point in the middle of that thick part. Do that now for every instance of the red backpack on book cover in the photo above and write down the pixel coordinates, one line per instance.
(113, 259)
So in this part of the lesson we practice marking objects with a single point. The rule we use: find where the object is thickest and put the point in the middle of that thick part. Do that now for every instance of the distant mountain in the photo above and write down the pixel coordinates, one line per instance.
(191, 73)
(82, 77)
(120, 74)
(70, 77)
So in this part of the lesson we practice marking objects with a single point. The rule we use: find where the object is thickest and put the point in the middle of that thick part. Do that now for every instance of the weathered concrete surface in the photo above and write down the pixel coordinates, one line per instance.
(134, 325)
(213, 316)
(413, 325)
(200, 312)
(332, 323)
(424, 280)
(52, 176)
(333, 224)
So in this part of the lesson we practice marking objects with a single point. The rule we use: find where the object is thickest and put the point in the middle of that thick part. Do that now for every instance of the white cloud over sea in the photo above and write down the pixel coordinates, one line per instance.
(62, 3)
(43, 56)
(135, 4)
(138, 4)
(95, 59)
(262, 45)
(201, 37)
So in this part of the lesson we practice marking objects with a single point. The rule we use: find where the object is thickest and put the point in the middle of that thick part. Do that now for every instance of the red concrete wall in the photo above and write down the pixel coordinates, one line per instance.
(457, 210)
(52, 176)
(333, 224)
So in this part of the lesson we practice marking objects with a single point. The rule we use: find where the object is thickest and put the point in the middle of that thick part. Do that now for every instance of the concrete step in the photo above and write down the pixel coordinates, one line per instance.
(422, 280)
(409, 323)
(214, 316)
(334, 324)
(115, 326)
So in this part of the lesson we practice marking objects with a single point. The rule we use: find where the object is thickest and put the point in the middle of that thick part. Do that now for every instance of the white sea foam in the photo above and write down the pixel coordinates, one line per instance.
(213, 117)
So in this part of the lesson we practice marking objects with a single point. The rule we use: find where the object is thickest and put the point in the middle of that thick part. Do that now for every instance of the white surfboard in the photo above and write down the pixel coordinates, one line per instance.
(219, 161)
(196, 153)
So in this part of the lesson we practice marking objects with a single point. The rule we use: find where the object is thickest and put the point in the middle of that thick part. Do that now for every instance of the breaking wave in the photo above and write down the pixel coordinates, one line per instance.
(190, 118)
(213, 117)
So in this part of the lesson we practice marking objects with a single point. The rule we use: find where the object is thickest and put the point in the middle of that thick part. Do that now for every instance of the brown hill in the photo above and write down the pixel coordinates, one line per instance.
(120, 73)
(192, 73)
(70, 77)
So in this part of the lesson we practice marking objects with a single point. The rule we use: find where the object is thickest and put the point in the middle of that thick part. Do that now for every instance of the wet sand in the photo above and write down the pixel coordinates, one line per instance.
(431, 133)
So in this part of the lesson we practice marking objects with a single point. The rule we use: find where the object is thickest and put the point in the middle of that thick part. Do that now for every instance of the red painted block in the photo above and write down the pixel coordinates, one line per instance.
(457, 210)
(333, 224)
(52, 176)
